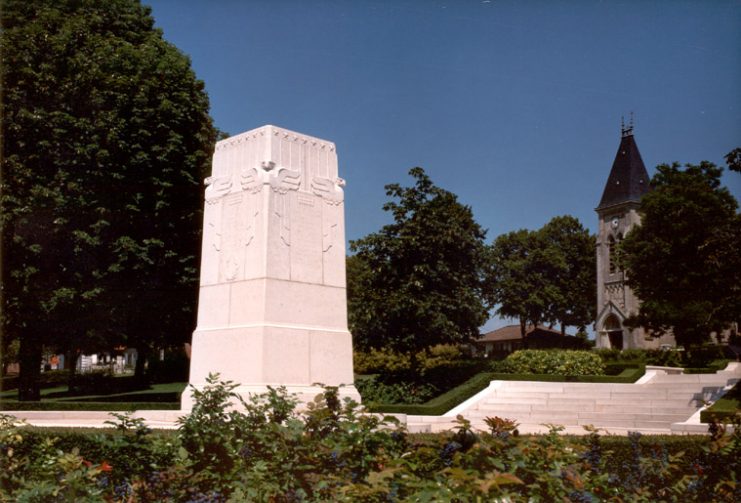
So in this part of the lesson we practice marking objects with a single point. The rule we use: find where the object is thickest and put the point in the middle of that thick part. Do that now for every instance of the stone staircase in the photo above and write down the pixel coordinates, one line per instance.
(662, 401)
(653, 404)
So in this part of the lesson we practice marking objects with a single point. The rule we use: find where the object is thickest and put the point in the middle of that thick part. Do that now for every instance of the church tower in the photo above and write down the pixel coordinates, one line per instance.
(618, 213)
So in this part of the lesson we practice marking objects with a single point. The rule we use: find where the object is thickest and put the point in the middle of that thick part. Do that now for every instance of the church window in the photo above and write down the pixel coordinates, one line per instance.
(611, 255)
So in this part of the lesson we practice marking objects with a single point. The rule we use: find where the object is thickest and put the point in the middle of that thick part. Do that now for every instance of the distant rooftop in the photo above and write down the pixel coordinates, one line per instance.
(512, 332)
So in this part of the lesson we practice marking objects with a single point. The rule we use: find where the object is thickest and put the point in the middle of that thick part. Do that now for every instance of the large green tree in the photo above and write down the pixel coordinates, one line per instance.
(105, 136)
(576, 296)
(545, 276)
(419, 280)
(683, 260)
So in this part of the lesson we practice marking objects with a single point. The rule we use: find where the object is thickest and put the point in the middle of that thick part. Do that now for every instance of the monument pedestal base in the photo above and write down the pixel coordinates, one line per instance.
(255, 357)
(304, 394)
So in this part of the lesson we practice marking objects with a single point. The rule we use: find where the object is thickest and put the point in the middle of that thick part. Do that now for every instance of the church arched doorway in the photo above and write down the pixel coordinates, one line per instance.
(614, 330)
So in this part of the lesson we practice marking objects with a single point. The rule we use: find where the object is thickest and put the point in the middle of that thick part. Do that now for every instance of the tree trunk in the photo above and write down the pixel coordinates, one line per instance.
(563, 329)
(29, 357)
(70, 363)
(142, 351)
(523, 331)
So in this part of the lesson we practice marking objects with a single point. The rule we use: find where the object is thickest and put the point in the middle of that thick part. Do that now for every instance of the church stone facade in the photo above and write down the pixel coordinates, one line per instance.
(618, 214)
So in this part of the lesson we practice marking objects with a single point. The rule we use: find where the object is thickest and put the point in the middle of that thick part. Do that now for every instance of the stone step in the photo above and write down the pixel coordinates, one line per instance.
(720, 378)
(508, 400)
(591, 394)
(586, 414)
(608, 410)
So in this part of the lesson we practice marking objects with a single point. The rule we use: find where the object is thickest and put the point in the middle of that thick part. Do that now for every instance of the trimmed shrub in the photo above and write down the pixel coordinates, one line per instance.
(555, 362)
(375, 390)
(381, 361)
(412, 379)
(442, 403)
(439, 356)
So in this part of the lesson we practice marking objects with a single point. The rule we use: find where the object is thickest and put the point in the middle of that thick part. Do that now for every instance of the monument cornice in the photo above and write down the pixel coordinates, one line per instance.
(269, 130)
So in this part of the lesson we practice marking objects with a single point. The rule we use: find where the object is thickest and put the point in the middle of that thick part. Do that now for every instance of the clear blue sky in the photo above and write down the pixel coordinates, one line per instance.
(513, 105)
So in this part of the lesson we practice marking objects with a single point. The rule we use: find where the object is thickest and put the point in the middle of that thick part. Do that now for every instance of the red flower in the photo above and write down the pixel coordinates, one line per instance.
(105, 467)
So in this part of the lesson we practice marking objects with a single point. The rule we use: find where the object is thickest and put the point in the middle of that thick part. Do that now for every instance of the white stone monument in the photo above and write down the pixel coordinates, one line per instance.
(272, 305)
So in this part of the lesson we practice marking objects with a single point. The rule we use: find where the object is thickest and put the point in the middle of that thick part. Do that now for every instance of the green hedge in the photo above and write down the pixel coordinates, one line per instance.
(440, 404)
(627, 376)
(48, 379)
(116, 406)
(443, 403)
(714, 366)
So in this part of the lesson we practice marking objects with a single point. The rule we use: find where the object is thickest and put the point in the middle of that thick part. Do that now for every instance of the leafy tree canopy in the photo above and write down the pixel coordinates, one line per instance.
(106, 136)
(576, 301)
(545, 276)
(683, 260)
(419, 281)
(733, 160)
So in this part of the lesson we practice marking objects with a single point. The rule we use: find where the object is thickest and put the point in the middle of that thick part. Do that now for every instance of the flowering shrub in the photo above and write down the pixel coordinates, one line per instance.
(560, 362)
(269, 451)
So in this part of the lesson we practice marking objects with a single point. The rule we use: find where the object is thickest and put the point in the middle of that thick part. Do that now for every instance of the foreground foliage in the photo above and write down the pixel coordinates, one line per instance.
(269, 452)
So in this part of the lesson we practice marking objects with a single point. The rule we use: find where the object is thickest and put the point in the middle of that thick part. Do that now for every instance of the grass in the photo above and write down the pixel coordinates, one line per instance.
(164, 396)
(724, 408)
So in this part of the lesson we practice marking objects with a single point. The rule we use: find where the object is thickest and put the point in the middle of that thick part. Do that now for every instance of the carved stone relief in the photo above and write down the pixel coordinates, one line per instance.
(615, 292)
(333, 195)
(282, 181)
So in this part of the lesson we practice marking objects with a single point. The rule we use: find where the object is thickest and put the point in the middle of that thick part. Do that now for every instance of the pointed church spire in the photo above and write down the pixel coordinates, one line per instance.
(628, 179)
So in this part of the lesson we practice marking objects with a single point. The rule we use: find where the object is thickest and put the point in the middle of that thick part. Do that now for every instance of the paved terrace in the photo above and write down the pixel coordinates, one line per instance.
(663, 401)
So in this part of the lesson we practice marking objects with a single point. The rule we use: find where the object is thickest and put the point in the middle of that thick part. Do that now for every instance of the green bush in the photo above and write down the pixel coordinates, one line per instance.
(381, 361)
(405, 378)
(555, 362)
(439, 356)
(373, 390)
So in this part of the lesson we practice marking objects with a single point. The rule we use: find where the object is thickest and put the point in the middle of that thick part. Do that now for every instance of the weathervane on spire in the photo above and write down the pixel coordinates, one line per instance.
(629, 130)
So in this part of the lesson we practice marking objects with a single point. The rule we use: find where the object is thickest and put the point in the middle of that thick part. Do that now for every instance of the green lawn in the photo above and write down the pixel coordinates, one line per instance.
(156, 396)
(724, 408)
